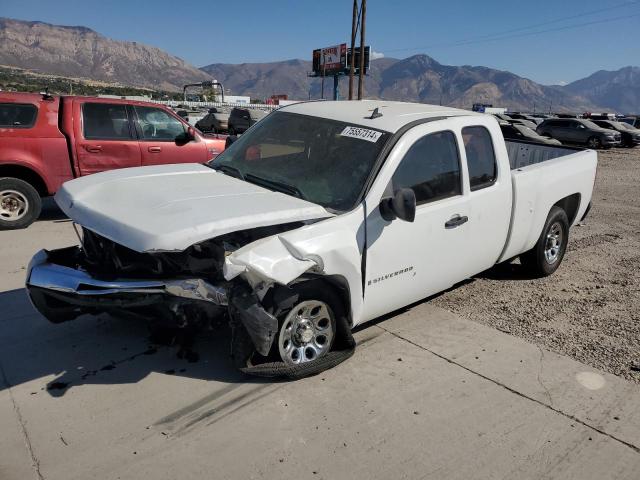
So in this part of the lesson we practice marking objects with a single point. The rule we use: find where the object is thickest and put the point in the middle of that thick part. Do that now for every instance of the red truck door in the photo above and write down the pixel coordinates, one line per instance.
(106, 138)
(163, 138)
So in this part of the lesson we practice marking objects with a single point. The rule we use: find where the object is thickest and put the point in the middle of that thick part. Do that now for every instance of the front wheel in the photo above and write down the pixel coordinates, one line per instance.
(594, 142)
(313, 334)
(20, 204)
(546, 256)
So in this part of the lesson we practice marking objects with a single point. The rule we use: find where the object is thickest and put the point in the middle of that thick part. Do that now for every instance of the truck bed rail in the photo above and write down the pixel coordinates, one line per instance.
(523, 154)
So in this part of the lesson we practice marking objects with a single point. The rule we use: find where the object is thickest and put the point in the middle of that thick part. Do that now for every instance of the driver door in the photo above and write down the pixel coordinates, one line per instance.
(162, 138)
(408, 261)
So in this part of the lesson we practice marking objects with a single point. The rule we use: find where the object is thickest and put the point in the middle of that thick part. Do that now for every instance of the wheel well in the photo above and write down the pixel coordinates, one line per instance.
(570, 205)
(26, 174)
(340, 286)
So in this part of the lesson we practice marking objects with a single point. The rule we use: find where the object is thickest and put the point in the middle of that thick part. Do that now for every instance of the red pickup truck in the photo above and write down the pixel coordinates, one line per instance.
(46, 140)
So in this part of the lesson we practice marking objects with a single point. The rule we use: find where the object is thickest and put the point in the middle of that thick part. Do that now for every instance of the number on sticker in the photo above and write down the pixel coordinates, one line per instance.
(362, 134)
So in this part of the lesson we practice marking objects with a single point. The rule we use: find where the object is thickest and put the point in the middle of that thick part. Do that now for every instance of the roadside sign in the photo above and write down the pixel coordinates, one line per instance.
(330, 60)
(367, 59)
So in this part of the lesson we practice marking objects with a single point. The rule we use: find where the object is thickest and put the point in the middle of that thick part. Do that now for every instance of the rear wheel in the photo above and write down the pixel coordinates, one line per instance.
(546, 256)
(594, 142)
(20, 204)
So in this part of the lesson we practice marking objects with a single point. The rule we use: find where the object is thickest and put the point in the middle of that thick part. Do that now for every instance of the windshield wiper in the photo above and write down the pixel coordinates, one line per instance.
(229, 170)
(275, 185)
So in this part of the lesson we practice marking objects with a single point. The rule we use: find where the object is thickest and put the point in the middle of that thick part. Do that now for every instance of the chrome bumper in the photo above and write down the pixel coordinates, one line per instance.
(62, 292)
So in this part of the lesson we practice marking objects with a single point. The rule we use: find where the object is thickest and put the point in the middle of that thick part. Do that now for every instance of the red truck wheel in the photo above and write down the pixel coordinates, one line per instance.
(20, 204)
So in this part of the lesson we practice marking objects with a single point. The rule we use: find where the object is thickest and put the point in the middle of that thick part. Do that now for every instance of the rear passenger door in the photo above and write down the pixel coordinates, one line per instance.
(106, 139)
(490, 198)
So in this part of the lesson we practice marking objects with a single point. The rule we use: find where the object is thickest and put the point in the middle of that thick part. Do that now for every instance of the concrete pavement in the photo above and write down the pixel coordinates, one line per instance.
(426, 395)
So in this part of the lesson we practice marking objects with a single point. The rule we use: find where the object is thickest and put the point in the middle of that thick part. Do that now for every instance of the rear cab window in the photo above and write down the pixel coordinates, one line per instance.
(481, 157)
(18, 115)
(105, 121)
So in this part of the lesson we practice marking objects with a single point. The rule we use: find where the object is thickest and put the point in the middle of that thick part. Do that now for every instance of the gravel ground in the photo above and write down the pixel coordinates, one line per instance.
(590, 308)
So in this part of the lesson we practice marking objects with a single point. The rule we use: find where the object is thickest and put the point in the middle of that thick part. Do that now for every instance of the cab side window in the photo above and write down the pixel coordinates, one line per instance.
(481, 158)
(431, 168)
(156, 124)
(104, 121)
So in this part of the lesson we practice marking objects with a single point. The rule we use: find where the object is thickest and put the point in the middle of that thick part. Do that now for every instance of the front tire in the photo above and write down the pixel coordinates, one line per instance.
(312, 324)
(20, 204)
(594, 143)
(546, 256)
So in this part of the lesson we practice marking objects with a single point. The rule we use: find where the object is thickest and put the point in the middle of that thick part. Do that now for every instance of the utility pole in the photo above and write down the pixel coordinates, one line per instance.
(352, 60)
(363, 17)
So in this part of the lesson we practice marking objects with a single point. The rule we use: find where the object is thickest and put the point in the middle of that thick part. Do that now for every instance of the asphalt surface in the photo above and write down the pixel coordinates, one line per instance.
(428, 394)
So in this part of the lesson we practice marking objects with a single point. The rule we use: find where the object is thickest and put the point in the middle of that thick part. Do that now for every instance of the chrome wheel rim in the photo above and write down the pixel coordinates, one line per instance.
(593, 143)
(554, 243)
(13, 205)
(306, 333)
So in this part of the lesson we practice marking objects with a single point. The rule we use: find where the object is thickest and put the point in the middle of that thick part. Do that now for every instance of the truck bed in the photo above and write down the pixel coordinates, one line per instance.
(523, 154)
(541, 175)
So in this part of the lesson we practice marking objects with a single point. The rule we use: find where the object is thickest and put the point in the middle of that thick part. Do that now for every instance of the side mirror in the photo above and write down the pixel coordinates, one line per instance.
(191, 134)
(402, 205)
(229, 141)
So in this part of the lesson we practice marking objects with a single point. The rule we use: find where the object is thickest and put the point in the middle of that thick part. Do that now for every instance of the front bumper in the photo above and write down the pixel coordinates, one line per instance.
(61, 291)
(610, 142)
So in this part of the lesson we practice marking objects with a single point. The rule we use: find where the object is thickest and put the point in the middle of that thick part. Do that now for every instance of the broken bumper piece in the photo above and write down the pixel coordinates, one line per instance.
(62, 291)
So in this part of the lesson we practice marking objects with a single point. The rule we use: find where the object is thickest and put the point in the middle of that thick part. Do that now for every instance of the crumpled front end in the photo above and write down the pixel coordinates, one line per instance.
(168, 289)
(61, 288)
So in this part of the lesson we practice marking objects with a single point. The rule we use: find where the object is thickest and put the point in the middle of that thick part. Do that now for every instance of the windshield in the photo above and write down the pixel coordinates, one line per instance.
(526, 131)
(323, 161)
(590, 124)
(623, 126)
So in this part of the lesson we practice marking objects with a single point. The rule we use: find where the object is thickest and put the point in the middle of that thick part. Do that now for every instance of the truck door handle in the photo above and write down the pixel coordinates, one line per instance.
(456, 221)
(93, 148)
(155, 149)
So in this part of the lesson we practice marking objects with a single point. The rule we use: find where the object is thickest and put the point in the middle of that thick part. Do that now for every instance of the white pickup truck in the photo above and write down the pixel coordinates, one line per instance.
(321, 217)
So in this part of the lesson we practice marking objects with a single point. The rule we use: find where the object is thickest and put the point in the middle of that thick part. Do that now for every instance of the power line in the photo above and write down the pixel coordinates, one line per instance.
(506, 33)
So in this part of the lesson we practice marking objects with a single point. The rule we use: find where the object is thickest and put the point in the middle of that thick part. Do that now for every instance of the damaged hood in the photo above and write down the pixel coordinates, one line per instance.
(171, 207)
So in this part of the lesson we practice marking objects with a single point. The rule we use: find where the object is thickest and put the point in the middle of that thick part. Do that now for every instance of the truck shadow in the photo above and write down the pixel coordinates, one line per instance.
(506, 271)
(103, 350)
(99, 350)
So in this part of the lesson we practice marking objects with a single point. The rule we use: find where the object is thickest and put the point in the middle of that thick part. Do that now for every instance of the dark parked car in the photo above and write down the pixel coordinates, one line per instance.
(242, 118)
(630, 135)
(522, 116)
(526, 123)
(512, 131)
(503, 117)
(579, 131)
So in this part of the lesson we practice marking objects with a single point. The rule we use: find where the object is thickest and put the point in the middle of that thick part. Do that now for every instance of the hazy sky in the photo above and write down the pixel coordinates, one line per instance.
(545, 40)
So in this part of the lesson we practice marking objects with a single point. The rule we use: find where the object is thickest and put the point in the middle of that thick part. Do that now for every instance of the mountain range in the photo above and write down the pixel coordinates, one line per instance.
(80, 52)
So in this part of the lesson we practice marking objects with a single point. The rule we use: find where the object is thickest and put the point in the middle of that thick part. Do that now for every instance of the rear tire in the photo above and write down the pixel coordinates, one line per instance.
(547, 254)
(20, 204)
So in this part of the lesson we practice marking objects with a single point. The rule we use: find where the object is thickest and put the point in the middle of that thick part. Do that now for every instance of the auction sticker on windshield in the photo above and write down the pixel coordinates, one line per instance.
(361, 133)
